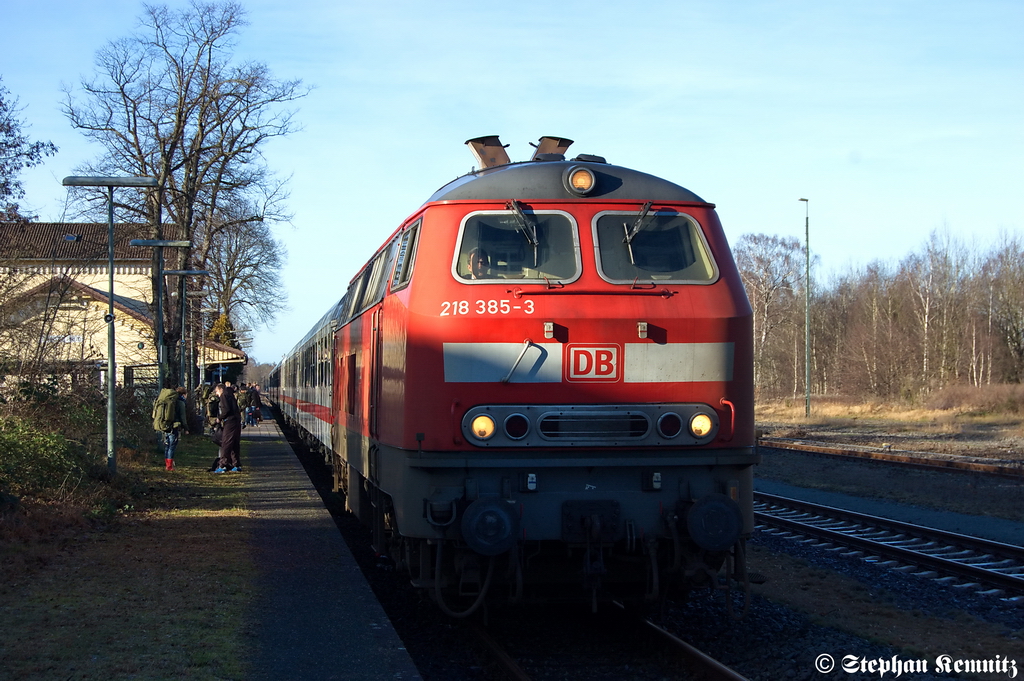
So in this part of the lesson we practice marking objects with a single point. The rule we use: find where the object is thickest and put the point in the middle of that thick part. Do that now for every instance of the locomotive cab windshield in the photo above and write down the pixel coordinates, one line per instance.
(666, 247)
(495, 245)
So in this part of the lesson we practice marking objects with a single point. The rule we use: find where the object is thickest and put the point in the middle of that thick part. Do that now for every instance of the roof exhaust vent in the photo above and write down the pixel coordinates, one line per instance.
(489, 151)
(548, 146)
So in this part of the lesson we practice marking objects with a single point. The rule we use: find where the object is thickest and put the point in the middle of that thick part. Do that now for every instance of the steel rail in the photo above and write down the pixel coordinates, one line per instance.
(996, 552)
(909, 460)
(509, 666)
(708, 667)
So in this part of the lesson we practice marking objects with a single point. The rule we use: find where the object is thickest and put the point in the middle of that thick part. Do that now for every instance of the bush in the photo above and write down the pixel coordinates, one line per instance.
(34, 462)
(79, 412)
(53, 436)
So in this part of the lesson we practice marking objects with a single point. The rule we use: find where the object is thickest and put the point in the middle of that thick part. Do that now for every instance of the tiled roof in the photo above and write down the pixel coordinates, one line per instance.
(45, 241)
(132, 307)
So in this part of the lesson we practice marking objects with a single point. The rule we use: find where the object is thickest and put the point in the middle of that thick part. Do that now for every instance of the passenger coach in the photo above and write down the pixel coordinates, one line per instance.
(540, 387)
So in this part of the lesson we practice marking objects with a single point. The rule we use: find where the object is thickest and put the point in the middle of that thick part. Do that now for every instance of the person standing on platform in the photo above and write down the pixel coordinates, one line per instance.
(255, 404)
(231, 418)
(170, 418)
(180, 425)
(211, 405)
(242, 397)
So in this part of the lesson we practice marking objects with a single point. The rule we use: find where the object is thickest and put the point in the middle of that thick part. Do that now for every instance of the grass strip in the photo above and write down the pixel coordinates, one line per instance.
(159, 592)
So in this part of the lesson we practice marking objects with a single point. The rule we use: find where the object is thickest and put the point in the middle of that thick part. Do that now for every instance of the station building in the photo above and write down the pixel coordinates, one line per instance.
(54, 295)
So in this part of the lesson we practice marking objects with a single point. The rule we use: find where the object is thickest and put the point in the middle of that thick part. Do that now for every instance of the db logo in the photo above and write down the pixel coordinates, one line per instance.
(592, 363)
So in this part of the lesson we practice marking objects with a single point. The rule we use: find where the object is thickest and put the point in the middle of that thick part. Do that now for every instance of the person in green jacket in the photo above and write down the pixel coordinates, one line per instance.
(170, 418)
(242, 396)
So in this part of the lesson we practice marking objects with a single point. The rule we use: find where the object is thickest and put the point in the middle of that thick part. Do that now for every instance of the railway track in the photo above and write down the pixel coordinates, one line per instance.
(508, 665)
(990, 567)
(698, 665)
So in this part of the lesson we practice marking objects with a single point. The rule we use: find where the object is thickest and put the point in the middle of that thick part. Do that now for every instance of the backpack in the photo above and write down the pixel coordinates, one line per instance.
(163, 410)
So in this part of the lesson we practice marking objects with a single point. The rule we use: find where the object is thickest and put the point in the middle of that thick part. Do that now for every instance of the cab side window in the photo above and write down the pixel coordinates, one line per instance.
(406, 257)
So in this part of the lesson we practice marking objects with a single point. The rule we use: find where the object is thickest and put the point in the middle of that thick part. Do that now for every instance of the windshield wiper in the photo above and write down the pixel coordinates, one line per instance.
(526, 225)
(637, 226)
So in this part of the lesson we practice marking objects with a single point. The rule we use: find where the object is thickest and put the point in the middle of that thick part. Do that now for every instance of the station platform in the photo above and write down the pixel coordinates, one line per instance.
(315, 616)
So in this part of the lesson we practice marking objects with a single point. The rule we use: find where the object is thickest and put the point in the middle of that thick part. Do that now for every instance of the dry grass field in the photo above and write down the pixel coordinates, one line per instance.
(964, 430)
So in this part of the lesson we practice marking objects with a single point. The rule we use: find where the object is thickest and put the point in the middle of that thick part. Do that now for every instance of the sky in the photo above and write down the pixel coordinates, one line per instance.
(895, 119)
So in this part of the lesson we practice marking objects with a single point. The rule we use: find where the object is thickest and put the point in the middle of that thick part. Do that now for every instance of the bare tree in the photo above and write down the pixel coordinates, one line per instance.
(168, 103)
(984, 333)
(770, 267)
(245, 265)
(937, 280)
(257, 372)
(870, 341)
(831, 313)
(1007, 267)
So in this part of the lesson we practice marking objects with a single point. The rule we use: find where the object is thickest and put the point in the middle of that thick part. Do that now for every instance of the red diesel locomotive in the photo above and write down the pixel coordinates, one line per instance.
(540, 387)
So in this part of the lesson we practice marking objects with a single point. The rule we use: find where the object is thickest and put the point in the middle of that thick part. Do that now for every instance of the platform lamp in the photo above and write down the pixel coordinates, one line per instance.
(202, 347)
(807, 310)
(195, 300)
(110, 183)
(183, 302)
(161, 351)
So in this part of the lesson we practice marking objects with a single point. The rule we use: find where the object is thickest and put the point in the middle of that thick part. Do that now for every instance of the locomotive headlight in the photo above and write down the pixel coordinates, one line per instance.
(482, 427)
(700, 425)
(516, 426)
(579, 180)
(670, 425)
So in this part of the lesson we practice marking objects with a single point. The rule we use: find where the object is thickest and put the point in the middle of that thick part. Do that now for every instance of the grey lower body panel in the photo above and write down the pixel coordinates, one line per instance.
(643, 486)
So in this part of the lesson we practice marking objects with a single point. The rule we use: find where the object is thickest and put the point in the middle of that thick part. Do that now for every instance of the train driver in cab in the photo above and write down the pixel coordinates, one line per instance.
(479, 264)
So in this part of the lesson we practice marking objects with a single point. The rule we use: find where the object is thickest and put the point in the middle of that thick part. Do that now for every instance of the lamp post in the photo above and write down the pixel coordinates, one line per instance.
(183, 301)
(807, 309)
(160, 245)
(110, 183)
(202, 345)
(198, 296)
